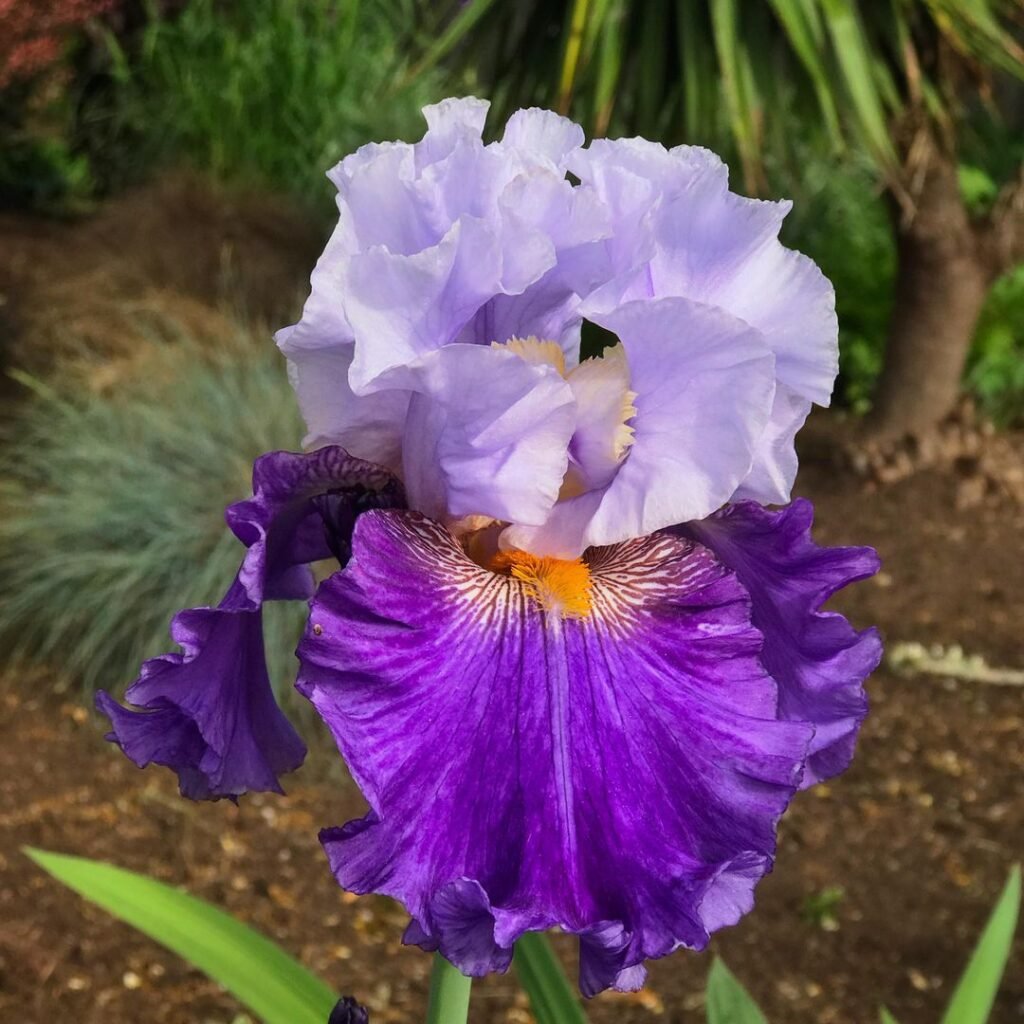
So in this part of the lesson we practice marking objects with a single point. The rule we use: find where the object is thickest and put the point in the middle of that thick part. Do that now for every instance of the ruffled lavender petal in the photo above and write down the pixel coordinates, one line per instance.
(619, 776)
(818, 659)
(209, 712)
(677, 230)
(704, 384)
(775, 465)
(487, 434)
(444, 240)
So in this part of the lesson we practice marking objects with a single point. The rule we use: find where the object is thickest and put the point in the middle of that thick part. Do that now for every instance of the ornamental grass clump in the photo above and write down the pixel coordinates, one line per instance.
(573, 658)
(105, 513)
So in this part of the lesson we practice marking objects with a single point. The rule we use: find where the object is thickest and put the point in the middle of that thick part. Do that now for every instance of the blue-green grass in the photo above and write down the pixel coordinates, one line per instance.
(111, 505)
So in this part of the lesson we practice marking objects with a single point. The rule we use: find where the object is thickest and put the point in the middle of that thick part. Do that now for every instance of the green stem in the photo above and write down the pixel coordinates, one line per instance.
(449, 994)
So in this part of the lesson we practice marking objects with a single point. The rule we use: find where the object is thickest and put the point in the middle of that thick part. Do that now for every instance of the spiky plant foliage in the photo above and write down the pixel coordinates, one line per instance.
(710, 70)
(111, 504)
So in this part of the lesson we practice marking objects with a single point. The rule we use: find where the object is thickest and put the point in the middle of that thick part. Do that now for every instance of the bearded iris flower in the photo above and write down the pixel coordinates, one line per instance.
(575, 664)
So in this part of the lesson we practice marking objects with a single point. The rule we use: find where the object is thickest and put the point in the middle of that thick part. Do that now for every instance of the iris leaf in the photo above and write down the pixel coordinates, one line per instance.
(450, 990)
(728, 1002)
(257, 972)
(976, 991)
(886, 1017)
(552, 999)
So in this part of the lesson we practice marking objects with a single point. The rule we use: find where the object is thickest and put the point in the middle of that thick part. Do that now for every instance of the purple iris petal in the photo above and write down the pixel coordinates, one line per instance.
(447, 240)
(487, 434)
(679, 231)
(704, 384)
(819, 661)
(209, 712)
(619, 775)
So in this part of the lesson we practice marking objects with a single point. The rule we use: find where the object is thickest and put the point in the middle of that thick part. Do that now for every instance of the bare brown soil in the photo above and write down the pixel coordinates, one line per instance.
(884, 876)
(179, 250)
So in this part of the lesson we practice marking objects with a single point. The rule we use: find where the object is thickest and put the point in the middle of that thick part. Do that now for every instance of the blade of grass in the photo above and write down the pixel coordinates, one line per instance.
(792, 15)
(257, 972)
(571, 55)
(728, 1002)
(976, 991)
(855, 66)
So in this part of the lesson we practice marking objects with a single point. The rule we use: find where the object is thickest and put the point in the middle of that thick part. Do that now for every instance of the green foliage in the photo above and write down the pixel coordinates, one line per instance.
(252, 968)
(704, 72)
(39, 164)
(728, 1002)
(552, 999)
(111, 506)
(822, 908)
(841, 222)
(976, 991)
(272, 92)
(450, 990)
(995, 370)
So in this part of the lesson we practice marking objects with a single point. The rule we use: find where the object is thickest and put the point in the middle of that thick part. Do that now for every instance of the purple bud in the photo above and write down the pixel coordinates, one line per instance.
(348, 1011)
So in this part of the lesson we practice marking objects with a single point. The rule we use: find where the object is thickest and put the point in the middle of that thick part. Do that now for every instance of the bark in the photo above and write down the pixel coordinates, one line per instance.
(944, 269)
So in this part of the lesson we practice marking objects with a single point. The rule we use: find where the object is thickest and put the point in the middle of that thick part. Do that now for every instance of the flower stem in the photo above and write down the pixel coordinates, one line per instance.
(449, 994)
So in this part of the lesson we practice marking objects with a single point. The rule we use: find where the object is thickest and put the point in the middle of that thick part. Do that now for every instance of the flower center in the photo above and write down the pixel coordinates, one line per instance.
(558, 585)
(606, 410)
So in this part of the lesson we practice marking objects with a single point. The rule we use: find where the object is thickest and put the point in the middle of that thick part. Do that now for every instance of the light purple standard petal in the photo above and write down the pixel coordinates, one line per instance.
(704, 384)
(209, 712)
(679, 231)
(487, 434)
(819, 661)
(445, 240)
(619, 776)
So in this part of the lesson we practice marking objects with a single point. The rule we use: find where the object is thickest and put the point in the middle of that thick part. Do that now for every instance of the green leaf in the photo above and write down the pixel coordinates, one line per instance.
(552, 998)
(571, 55)
(857, 69)
(886, 1017)
(737, 85)
(976, 991)
(800, 30)
(728, 1001)
(453, 35)
(450, 990)
(252, 968)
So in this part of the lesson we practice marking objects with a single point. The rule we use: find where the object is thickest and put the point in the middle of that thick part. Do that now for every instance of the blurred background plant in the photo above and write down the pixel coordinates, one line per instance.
(113, 481)
(39, 44)
(269, 92)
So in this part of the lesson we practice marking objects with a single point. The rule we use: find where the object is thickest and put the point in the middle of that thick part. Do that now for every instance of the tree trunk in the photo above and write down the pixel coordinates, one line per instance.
(942, 278)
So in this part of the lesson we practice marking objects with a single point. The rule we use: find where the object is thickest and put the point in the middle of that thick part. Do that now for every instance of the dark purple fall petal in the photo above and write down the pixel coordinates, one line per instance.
(818, 659)
(619, 776)
(209, 712)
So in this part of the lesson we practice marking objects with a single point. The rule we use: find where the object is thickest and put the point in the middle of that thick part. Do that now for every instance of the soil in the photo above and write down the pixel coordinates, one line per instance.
(179, 250)
(884, 876)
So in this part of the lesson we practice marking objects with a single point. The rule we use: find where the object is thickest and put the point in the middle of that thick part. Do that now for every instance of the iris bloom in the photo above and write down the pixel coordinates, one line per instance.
(576, 666)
